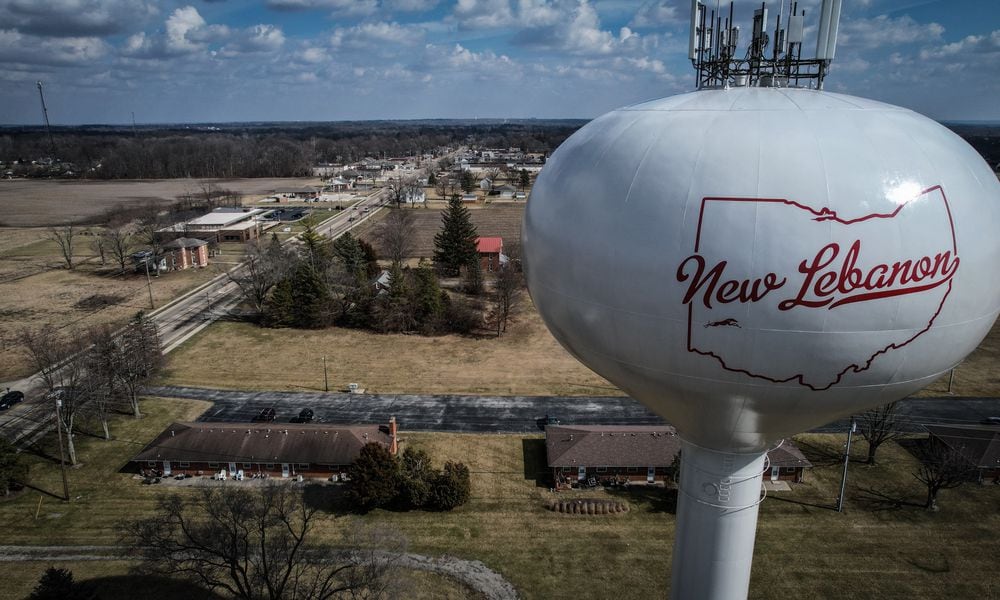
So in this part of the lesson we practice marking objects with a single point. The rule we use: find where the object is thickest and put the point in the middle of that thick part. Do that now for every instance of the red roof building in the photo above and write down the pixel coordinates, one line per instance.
(490, 250)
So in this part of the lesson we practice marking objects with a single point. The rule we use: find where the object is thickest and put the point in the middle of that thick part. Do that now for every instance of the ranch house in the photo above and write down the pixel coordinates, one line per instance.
(638, 454)
(315, 450)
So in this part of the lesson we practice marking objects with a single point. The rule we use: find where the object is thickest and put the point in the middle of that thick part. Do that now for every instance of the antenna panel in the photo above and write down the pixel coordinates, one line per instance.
(824, 29)
(693, 42)
(795, 27)
(831, 37)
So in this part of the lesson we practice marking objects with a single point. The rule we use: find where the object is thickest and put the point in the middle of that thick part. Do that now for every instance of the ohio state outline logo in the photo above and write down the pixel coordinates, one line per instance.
(868, 285)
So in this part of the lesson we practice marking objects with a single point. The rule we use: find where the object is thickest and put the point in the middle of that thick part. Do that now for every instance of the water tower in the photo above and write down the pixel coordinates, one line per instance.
(757, 258)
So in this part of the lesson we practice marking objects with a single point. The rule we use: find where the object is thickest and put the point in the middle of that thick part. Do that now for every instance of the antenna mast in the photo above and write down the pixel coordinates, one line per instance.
(45, 113)
(714, 39)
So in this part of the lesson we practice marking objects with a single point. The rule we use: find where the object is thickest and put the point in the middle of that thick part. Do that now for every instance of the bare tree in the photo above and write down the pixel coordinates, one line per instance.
(395, 236)
(263, 267)
(120, 243)
(59, 364)
(139, 357)
(256, 544)
(442, 185)
(879, 426)
(99, 245)
(63, 236)
(493, 174)
(942, 468)
(507, 293)
(401, 189)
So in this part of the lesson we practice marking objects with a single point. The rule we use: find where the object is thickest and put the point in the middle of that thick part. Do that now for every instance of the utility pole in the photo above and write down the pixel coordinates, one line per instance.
(134, 134)
(326, 380)
(45, 113)
(847, 460)
(149, 282)
(62, 455)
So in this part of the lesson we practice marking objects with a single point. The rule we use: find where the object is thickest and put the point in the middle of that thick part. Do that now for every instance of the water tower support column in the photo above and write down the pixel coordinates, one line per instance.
(717, 501)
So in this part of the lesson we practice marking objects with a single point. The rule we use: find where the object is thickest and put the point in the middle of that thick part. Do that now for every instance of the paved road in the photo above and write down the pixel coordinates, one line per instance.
(508, 414)
(176, 321)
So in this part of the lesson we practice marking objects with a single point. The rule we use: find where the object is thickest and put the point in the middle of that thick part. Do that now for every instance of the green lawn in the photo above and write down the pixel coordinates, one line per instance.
(875, 549)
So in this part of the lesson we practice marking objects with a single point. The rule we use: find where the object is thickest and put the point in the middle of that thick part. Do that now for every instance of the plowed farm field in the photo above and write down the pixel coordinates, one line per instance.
(495, 220)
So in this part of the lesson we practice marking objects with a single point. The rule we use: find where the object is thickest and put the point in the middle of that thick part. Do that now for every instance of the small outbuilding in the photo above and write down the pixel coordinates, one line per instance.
(490, 251)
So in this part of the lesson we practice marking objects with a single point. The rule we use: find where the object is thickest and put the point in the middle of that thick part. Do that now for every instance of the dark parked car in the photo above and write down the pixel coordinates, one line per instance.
(991, 421)
(11, 398)
(305, 416)
(266, 415)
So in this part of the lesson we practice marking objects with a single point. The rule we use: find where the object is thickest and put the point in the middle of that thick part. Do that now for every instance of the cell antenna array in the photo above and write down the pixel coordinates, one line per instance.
(773, 56)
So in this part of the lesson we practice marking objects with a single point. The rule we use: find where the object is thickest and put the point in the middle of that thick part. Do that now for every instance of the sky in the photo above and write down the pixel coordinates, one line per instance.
(196, 61)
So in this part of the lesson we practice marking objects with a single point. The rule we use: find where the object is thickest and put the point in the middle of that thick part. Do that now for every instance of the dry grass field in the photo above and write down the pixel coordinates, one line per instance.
(37, 202)
(35, 290)
(502, 220)
(525, 361)
(875, 549)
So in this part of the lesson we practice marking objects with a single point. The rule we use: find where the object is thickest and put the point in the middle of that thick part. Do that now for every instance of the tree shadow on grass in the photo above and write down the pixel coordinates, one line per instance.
(653, 498)
(535, 465)
(329, 499)
(818, 455)
(148, 587)
(771, 497)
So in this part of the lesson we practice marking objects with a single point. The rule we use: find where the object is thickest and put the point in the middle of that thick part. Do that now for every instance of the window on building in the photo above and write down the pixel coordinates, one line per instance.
(269, 466)
(183, 465)
(213, 465)
(150, 463)
(633, 469)
(601, 469)
(303, 465)
(247, 465)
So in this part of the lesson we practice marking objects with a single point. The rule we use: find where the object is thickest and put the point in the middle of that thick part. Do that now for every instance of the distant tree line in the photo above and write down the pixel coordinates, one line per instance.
(261, 150)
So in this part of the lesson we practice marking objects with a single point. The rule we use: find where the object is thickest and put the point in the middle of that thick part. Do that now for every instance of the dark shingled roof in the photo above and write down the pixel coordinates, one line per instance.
(185, 243)
(979, 443)
(315, 443)
(633, 446)
(611, 445)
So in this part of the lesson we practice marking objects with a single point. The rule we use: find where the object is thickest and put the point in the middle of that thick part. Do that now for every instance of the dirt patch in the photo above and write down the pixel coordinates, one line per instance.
(99, 301)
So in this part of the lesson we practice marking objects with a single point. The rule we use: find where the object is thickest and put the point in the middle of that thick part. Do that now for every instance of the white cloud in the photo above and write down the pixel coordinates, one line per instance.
(484, 14)
(578, 32)
(259, 38)
(886, 31)
(411, 5)
(367, 35)
(74, 18)
(187, 32)
(346, 8)
(657, 14)
(16, 47)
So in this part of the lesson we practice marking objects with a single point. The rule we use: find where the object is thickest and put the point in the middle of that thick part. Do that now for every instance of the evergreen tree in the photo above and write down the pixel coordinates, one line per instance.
(311, 301)
(316, 248)
(473, 283)
(348, 250)
(452, 488)
(428, 307)
(416, 478)
(374, 476)
(468, 181)
(524, 179)
(455, 244)
(279, 308)
(431, 179)
(58, 584)
(372, 269)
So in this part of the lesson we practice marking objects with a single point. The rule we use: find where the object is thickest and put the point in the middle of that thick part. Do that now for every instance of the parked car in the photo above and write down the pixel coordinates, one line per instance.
(305, 416)
(991, 421)
(266, 415)
(10, 399)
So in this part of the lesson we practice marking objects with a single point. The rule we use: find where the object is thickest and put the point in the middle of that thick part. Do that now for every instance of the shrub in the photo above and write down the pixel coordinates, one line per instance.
(452, 487)
(374, 477)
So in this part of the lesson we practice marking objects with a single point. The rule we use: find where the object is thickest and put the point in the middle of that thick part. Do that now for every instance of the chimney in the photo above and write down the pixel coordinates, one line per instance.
(393, 444)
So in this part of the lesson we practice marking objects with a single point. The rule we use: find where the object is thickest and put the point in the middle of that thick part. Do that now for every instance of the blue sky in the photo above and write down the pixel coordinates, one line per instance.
(305, 60)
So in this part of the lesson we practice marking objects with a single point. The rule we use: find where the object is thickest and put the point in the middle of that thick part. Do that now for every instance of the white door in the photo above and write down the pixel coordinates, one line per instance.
(581, 473)
(774, 473)
(284, 469)
(166, 468)
(650, 474)
(232, 469)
